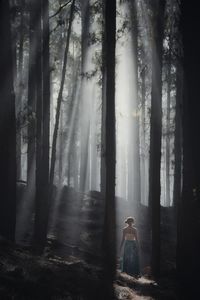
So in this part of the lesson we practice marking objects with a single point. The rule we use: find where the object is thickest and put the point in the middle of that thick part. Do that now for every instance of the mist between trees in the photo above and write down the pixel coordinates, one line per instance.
(99, 93)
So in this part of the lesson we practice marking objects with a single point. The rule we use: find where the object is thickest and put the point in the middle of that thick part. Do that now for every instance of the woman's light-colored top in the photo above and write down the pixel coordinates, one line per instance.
(129, 237)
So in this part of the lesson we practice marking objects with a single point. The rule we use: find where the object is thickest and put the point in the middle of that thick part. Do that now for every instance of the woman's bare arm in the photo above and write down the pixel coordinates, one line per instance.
(122, 241)
(136, 237)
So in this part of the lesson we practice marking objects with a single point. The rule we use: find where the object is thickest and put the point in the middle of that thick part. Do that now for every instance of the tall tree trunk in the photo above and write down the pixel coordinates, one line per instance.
(61, 141)
(7, 128)
(109, 238)
(94, 159)
(43, 118)
(142, 138)
(178, 138)
(20, 88)
(46, 92)
(188, 260)
(135, 181)
(167, 158)
(84, 136)
(178, 153)
(31, 99)
(59, 100)
(38, 234)
(69, 170)
(155, 133)
(103, 121)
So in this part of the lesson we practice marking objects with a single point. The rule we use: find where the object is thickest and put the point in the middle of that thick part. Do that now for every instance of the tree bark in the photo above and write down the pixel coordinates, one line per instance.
(61, 148)
(7, 128)
(20, 88)
(178, 138)
(143, 138)
(109, 238)
(155, 134)
(42, 129)
(135, 178)
(46, 91)
(167, 157)
(31, 99)
(84, 136)
(188, 261)
(39, 201)
(103, 118)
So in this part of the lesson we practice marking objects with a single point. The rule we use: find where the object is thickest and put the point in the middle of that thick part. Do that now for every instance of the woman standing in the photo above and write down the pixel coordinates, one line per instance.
(130, 263)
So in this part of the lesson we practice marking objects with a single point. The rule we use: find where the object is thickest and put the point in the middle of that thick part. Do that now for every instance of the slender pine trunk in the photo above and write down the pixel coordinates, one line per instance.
(31, 98)
(109, 237)
(46, 91)
(142, 140)
(7, 128)
(178, 138)
(103, 122)
(167, 157)
(20, 88)
(135, 182)
(84, 130)
(39, 201)
(42, 128)
(155, 134)
(61, 148)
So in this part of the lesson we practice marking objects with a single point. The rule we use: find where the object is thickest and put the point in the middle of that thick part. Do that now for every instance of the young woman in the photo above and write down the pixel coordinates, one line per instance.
(130, 263)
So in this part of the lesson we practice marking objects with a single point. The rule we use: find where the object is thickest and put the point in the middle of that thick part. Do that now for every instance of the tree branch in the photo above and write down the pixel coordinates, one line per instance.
(59, 10)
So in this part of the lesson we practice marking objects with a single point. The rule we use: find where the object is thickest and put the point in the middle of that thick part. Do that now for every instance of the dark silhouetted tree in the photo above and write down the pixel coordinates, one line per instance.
(109, 237)
(156, 130)
(20, 85)
(84, 135)
(7, 128)
(31, 97)
(42, 128)
(188, 261)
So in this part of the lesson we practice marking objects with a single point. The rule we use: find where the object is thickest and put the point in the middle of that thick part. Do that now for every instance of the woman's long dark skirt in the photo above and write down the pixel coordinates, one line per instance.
(130, 264)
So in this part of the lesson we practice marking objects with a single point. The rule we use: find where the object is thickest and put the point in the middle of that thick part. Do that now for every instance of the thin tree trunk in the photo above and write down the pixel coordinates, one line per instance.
(94, 159)
(69, 170)
(60, 170)
(84, 136)
(76, 169)
(103, 122)
(20, 88)
(135, 183)
(46, 92)
(39, 201)
(155, 134)
(178, 155)
(59, 100)
(167, 158)
(142, 139)
(178, 138)
(43, 118)
(109, 238)
(31, 98)
(7, 128)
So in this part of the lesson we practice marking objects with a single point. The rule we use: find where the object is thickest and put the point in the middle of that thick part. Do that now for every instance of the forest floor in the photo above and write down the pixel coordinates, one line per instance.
(52, 276)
